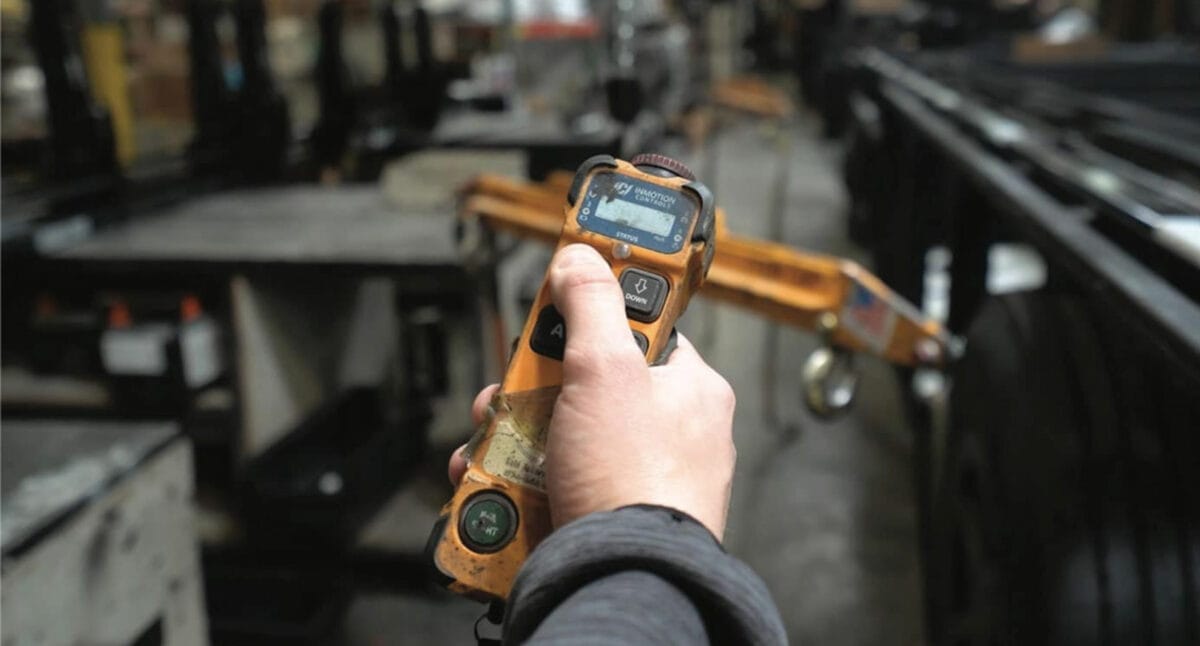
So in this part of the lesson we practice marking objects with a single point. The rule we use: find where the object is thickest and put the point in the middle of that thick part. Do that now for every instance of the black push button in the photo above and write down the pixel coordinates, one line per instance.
(549, 334)
(643, 343)
(644, 294)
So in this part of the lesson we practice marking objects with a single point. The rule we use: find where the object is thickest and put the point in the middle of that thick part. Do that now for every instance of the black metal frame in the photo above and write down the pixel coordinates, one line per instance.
(1162, 305)
(952, 159)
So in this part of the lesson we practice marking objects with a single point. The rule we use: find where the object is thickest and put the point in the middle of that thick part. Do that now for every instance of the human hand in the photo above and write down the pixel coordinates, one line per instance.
(622, 432)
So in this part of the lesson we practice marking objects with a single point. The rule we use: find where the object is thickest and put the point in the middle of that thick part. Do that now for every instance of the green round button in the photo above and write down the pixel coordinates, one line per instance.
(487, 522)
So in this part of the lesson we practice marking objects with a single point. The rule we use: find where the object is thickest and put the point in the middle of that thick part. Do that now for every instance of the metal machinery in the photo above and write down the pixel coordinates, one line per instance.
(97, 520)
(1051, 183)
(296, 365)
(501, 103)
(829, 31)
(1060, 499)
(296, 336)
(242, 134)
(61, 189)
(374, 124)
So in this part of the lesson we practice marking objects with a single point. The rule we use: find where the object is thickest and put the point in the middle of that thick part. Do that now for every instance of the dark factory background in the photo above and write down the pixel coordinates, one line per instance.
(249, 293)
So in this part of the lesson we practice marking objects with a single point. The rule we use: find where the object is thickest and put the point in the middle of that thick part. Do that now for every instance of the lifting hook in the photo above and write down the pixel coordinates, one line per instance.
(828, 378)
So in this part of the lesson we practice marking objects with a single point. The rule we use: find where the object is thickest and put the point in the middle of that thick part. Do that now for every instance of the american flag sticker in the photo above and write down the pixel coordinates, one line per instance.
(868, 317)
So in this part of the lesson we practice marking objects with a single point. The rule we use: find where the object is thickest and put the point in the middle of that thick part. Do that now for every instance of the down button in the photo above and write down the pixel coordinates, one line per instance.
(644, 294)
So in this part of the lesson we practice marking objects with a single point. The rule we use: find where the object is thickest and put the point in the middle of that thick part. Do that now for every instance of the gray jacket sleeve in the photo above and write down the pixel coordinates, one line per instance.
(641, 574)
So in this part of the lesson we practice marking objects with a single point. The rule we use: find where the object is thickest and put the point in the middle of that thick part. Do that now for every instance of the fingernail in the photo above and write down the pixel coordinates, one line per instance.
(575, 255)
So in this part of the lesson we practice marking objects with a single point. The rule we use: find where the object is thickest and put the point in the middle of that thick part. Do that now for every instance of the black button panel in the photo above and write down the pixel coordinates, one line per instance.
(644, 294)
(549, 337)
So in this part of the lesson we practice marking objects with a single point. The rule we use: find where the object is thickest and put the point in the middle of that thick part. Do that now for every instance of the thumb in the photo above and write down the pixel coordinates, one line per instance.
(587, 295)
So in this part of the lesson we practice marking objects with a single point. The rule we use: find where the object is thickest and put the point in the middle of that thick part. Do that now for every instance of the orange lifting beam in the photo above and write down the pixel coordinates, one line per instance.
(839, 298)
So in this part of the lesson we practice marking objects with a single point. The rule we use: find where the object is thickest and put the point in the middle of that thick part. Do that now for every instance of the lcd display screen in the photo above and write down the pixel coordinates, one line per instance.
(636, 216)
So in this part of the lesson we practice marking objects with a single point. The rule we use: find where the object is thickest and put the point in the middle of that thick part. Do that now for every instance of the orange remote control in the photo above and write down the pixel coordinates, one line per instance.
(655, 225)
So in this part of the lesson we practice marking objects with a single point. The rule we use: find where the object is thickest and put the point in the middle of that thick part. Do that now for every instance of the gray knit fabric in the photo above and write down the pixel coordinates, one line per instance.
(638, 575)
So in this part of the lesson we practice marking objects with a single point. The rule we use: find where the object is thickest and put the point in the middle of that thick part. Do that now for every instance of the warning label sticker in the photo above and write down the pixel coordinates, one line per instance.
(517, 451)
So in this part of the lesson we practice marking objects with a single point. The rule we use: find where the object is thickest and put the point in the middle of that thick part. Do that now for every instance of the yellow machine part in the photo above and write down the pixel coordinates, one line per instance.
(104, 58)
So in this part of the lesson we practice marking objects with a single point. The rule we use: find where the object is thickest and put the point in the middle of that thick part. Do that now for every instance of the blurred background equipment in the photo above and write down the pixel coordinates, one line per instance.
(247, 303)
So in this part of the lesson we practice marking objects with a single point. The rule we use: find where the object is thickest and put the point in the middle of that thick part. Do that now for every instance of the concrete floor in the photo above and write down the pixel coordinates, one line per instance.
(823, 511)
